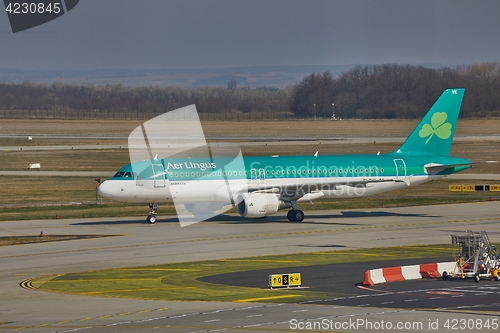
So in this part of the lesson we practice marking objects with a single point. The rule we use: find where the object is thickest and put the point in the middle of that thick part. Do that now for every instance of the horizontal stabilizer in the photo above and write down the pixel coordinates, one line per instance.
(435, 168)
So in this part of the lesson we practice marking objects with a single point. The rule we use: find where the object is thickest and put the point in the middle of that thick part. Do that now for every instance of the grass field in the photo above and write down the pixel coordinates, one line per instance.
(181, 282)
(41, 238)
(324, 128)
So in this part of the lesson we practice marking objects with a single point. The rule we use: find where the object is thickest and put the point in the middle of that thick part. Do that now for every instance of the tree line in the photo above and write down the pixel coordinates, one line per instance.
(374, 91)
(397, 91)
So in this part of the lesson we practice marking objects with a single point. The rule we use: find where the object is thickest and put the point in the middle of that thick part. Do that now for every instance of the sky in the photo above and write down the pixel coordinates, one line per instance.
(183, 34)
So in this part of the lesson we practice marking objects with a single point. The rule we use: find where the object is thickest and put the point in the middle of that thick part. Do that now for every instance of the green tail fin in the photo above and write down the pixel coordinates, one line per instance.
(434, 134)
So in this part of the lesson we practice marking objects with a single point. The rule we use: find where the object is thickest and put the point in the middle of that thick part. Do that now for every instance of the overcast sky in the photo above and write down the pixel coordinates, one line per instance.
(166, 34)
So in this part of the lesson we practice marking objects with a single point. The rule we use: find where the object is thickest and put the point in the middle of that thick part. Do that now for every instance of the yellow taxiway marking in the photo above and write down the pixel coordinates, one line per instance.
(259, 260)
(105, 316)
(265, 298)
(159, 269)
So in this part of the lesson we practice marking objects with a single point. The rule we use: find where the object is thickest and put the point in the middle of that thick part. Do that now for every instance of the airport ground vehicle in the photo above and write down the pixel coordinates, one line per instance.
(474, 256)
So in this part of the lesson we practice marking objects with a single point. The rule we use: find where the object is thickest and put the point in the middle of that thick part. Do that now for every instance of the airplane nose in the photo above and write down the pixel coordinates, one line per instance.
(106, 189)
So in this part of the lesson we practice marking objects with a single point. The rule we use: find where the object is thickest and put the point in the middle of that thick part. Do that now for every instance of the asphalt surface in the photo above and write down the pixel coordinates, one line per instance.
(233, 237)
(454, 294)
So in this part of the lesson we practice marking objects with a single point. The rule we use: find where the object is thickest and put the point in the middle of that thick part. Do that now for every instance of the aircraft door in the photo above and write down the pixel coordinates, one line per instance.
(400, 168)
(253, 174)
(160, 175)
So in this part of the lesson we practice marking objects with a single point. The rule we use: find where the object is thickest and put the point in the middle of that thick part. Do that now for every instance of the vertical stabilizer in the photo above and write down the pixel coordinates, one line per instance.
(434, 134)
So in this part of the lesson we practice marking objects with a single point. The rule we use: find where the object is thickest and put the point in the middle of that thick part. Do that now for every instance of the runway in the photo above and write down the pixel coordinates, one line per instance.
(228, 237)
(240, 141)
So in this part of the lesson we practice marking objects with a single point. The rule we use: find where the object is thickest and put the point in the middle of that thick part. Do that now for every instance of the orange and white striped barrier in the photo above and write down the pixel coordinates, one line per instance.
(402, 273)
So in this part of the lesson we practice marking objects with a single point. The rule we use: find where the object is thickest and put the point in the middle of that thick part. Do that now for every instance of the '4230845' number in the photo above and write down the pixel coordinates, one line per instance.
(33, 8)
(471, 324)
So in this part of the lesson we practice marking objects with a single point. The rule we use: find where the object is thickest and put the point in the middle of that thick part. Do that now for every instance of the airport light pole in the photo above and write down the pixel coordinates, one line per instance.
(314, 111)
(333, 111)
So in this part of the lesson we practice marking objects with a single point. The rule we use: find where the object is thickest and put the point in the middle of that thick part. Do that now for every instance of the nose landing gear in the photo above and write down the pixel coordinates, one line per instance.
(153, 209)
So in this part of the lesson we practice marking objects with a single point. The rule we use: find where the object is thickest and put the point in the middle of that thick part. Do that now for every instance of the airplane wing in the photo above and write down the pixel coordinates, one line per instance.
(314, 189)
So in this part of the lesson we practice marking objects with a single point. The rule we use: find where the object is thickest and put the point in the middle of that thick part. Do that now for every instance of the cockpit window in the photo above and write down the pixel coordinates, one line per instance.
(126, 174)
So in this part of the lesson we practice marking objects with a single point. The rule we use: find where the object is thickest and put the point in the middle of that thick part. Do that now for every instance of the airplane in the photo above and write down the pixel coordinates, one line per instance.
(264, 185)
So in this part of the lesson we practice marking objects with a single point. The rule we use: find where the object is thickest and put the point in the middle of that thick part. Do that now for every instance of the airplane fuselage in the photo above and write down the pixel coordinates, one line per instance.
(193, 180)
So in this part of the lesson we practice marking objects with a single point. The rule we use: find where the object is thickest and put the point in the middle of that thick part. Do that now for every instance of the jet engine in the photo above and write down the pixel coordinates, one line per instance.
(259, 204)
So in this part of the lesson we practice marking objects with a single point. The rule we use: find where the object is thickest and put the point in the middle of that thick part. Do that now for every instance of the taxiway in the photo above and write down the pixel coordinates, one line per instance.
(226, 237)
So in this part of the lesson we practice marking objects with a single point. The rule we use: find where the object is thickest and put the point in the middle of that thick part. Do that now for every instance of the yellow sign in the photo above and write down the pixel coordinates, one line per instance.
(284, 280)
(455, 188)
(468, 188)
(494, 187)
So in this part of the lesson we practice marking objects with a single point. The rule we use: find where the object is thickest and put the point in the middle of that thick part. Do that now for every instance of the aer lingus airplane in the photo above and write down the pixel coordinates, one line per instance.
(264, 185)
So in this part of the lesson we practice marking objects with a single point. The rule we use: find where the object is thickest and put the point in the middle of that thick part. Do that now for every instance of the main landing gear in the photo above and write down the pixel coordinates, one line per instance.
(295, 215)
(153, 209)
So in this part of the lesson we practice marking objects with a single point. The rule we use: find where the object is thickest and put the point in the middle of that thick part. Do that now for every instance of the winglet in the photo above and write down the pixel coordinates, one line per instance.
(434, 134)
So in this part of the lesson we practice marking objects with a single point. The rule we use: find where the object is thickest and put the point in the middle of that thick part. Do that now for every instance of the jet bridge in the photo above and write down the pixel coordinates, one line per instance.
(474, 256)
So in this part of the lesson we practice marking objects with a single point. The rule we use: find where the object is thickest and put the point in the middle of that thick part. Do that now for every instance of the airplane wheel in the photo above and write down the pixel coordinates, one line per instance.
(295, 216)
(445, 275)
(477, 278)
(151, 219)
(298, 216)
